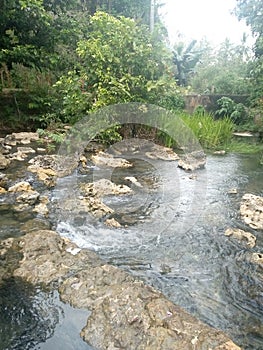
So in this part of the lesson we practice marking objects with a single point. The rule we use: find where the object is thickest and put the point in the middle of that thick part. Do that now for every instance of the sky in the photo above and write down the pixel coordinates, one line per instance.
(196, 19)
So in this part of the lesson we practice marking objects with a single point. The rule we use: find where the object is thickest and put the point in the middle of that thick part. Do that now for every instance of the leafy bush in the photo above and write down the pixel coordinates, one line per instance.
(120, 63)
(235, 111)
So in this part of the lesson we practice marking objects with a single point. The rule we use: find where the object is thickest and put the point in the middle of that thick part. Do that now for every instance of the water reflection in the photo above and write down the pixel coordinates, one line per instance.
(31, 318)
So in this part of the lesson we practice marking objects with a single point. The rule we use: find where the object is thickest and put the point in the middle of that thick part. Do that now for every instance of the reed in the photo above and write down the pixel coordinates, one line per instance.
(210, 133)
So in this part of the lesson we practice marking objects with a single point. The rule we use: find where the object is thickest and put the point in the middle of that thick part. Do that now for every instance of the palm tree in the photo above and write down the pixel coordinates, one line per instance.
(185, 58)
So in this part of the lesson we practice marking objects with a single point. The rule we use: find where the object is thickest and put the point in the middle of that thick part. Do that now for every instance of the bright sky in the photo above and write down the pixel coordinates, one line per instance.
(196, 19)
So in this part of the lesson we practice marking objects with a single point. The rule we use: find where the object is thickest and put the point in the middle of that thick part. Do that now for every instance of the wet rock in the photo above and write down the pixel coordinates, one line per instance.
(108, 160)
(35, 224)
(134, 316)
(104, 187)
(145, 147)
(29, 197)
(49, 167)
(165, 269)
(26, 150)
(232, 191)
(25, 195)
(3, 180)
(2, 190)
(25, 136)
(4, 162)
(242, 236)
(257, 258)
(9, 141)
(42, 208)
(222, 152)
(19, 156)
(9, 258)
(22, 186)
(126, 313)
(82, 205)
(133, 180)
(161, 152)
(46, 259)
(251, 210)
(112, 223)
(44, 167)
(41, 150)
(192, 161)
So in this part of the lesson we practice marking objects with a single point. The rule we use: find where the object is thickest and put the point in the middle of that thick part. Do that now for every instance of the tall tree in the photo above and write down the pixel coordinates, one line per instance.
(185, 58)
(252, 12)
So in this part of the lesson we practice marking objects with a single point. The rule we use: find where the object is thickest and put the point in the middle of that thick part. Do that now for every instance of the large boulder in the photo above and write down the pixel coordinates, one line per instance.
(125, 313)
(251, 210)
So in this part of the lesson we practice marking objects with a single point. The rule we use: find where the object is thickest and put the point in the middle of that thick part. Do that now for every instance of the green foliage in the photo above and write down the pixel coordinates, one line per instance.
(224, 71)
(236, 111)
(109, 136)
(251, 11)
(51, 136)
(186, 58)
(120, 62)
(210, 133)
(242, 147)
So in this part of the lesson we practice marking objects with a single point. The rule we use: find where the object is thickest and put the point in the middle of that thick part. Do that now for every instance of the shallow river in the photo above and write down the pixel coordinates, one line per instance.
(173, 238)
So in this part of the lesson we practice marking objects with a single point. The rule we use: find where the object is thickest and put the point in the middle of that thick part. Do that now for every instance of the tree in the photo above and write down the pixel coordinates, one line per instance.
(120, 62)
(224, 71)
(251, 12)
(185, 58)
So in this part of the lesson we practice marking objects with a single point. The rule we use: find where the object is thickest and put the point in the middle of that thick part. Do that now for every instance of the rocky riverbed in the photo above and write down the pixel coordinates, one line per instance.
(126, 313)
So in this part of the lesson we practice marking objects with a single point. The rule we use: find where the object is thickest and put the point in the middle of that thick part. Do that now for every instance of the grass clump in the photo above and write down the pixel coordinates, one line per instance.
(210, 133)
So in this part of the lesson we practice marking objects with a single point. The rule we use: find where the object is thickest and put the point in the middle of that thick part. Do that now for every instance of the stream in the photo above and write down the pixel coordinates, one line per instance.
(172, 237)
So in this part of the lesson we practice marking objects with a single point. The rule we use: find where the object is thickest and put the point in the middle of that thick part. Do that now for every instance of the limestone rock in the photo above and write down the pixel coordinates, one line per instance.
(192, 161)
(88, 204)
(126, 313)
(232, 191)
(133, 180)
(29, 197)
(49, 167)
(251, 210)
(242, 235)
(161, 152)
(3, 180)
(46, 259)
(221, 152)
(41, 208)
(19, 156)
(22, 136)
(112, 223)
(22, 186)
(107, 160)
(134, 316)
(105, 187)
(4, 162)
(26, 150)
(2, 190)
(257, 258)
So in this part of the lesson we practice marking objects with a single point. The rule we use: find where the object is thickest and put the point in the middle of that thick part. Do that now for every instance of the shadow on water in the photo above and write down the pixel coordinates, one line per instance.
(31, 318)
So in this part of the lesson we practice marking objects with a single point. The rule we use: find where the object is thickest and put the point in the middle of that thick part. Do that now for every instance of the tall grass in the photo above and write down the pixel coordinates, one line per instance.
(211, 133)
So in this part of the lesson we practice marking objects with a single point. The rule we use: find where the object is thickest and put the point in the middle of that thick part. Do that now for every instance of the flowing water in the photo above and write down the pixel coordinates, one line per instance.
(172, 238)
